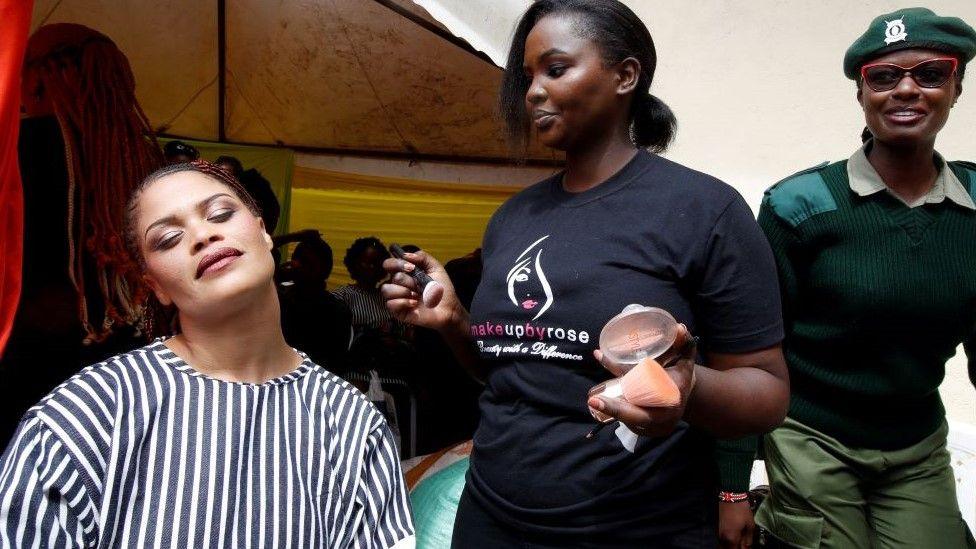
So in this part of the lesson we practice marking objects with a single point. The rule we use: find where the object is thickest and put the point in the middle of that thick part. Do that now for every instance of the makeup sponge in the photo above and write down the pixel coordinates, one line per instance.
(432, 293)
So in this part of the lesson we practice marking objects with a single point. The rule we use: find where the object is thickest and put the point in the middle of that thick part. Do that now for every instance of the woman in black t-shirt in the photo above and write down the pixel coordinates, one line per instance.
(620, 225)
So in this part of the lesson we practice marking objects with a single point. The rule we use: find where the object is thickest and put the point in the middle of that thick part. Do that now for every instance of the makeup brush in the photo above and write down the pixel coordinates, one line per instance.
(648, 385)
(431, 291)
(599, 426)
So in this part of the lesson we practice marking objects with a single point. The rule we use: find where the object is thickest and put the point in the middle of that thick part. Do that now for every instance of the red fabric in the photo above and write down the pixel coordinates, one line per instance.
(16, 16)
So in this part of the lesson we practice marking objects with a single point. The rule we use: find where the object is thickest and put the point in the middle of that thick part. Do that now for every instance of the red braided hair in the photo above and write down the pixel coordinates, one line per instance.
(109, 147)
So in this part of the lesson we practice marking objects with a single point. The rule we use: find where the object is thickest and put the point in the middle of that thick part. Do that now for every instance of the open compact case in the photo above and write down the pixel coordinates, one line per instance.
(637, 333)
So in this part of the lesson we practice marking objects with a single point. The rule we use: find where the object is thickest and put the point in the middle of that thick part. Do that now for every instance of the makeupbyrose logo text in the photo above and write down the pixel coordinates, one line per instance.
(528, 331)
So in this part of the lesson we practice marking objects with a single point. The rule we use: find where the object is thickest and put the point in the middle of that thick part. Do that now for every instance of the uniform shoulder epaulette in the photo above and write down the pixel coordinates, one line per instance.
(800, 196)
(971, 168)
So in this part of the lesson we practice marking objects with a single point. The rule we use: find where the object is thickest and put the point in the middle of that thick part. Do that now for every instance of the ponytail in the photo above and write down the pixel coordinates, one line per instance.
(653, 124)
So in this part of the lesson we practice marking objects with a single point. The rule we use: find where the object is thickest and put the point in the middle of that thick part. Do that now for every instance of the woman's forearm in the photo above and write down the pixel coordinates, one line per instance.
(741, 400)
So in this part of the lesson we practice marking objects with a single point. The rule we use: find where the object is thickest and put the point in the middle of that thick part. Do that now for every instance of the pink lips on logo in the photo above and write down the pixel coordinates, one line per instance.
(529, 304)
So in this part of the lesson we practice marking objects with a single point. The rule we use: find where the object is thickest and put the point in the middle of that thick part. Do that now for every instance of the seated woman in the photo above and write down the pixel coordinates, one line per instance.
(313, 319)
(364, 261)
(380, 342)
(220, 436)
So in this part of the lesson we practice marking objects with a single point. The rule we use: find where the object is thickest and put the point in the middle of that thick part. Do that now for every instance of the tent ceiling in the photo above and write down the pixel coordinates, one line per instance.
(335, 75)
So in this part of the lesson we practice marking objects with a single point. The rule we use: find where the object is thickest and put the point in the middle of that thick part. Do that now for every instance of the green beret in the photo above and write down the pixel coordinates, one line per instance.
(910, 28)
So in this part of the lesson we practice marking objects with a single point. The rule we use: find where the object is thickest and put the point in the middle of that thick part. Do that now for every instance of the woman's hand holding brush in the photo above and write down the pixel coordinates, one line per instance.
(655, 392)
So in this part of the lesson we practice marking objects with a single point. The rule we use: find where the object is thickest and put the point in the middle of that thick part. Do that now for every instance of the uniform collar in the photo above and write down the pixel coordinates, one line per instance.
(864, 181)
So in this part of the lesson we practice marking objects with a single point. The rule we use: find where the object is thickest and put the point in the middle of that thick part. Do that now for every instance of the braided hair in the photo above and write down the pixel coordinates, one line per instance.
(157, 319)
(109, 145)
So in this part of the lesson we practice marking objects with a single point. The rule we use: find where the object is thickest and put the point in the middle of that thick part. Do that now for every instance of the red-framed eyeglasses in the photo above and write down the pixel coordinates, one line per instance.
(931, 73)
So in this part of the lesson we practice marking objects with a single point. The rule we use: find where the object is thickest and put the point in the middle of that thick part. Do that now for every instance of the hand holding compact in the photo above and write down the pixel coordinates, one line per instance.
(649, 397)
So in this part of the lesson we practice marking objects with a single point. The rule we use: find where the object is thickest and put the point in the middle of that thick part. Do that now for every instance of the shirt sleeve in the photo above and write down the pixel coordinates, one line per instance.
(491, 229)
(734, 459)
(785, 245)
(738, 300)
(340, 294)
(43, 498)
(387, 520)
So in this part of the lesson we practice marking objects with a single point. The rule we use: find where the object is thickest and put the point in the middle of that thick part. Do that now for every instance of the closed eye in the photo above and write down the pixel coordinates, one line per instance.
(221, 215)
(168, 240)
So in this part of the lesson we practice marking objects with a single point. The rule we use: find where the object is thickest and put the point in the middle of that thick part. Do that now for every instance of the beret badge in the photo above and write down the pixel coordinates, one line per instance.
(895, 31)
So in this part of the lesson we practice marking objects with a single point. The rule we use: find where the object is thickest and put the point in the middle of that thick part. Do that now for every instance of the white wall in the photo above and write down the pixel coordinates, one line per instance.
(758, 88)
(757, 85)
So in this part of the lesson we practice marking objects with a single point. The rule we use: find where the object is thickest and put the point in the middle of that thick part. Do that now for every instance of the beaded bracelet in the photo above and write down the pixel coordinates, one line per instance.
(733, 497)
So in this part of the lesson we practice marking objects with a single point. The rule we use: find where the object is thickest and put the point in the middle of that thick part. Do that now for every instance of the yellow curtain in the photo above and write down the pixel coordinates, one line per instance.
(445, 219)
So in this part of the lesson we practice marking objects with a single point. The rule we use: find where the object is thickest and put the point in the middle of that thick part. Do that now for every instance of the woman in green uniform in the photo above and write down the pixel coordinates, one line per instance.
(875, 256)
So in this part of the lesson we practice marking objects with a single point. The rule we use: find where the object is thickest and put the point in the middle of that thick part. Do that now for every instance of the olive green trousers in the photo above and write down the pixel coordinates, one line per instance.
(824, 494)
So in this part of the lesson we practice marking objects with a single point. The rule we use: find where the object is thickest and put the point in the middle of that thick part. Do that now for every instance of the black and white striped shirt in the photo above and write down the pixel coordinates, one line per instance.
(368, 308)
(143, 451)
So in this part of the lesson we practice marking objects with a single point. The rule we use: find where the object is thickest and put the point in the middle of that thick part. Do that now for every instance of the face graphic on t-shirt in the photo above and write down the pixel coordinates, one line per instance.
(528, 287)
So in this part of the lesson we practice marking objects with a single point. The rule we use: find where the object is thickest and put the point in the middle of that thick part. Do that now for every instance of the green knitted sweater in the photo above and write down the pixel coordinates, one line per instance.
(876, 297)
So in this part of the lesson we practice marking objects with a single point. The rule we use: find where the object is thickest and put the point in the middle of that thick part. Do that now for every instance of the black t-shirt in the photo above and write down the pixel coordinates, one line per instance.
(557, 267)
